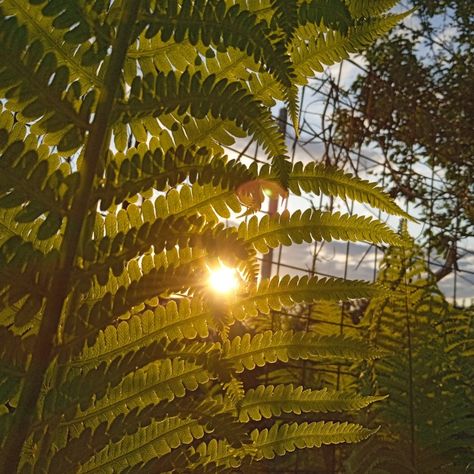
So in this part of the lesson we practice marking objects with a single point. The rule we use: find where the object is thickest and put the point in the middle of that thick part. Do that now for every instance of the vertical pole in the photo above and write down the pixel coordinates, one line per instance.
(273, 205)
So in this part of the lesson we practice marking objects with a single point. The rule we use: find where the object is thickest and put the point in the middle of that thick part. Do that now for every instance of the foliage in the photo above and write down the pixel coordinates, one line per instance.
(427, 421)
(335, 379)
(415, 102)
(116, 357)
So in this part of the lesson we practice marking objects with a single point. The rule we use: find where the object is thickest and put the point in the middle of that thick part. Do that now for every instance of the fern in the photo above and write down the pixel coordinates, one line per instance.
(272, 231)
(329, 47)
(287, 437)
(135, 173)
(424, 375)
(286, 16)
(314, 178)
(276, 293)
(268, 401)
(365, 8)
(116, 355)
(333, 14)
(247, 353)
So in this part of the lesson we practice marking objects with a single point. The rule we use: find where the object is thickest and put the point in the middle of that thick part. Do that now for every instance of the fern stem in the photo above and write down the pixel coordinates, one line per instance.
(96, 144)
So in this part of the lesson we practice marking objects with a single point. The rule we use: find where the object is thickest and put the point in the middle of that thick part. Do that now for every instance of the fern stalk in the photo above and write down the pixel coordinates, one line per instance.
(96, 143)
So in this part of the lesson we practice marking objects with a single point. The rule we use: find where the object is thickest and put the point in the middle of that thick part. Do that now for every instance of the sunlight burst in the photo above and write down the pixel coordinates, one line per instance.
(223, 279)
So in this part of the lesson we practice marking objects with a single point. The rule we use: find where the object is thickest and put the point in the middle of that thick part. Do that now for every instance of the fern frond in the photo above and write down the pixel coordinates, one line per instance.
(218, 424)
(247, 352)
(222, 99)
(331, 13)
(131, 388)
(317, 179)
(42, 91)
(234, 390)
(285, 16)
(51, 31)
(103, 255)
(375, 455)
(24, 168)
(285, 229)
(113, 193)
(89, 318)
(149, 285)
(412, 328)
(139, 171)
(280, 439)
(186, 319)
(35, 179)
(214, 24)
(368, 8)
(87, 27)
(211, 202)
(187, 267)
(25, 276)
(266, 401)
(220, 456)
(330, 47)
(275, 293)
(155, 440)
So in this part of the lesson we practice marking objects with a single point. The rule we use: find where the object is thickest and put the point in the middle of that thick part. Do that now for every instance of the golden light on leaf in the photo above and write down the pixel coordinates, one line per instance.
(223, 279)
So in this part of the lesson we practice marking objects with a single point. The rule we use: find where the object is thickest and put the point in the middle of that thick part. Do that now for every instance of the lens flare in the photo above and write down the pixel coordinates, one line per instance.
(223, 279)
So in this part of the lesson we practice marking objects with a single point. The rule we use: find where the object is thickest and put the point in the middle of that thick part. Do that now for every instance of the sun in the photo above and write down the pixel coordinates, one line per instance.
(223, 279)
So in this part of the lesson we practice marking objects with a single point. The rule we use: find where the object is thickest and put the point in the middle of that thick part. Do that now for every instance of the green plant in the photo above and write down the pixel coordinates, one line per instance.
(333, 380)
(115, 355)
(427, 421)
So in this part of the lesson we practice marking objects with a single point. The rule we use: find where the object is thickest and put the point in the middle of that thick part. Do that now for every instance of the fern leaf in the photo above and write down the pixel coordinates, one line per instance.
(215, 24)
(282, 229)
(223, 99)
(275, 293)
(331, 13)
(31, 174)
(186, 319)
(140, 171)
(139, 389)
(35, 83)
(37, 186)
(135, 364)
(51, 31)
(247, 352)
(219, 425)
(367, 8)
(103, 255)
(78, 25)
(211, 202)
(25, 275)
(234, 390)
(280, 439)
(153, 441)
(376, 454)
(266, 401)
(151, 284)
(219, 455)
(329, 47)
(317, 179)
(286, 16)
